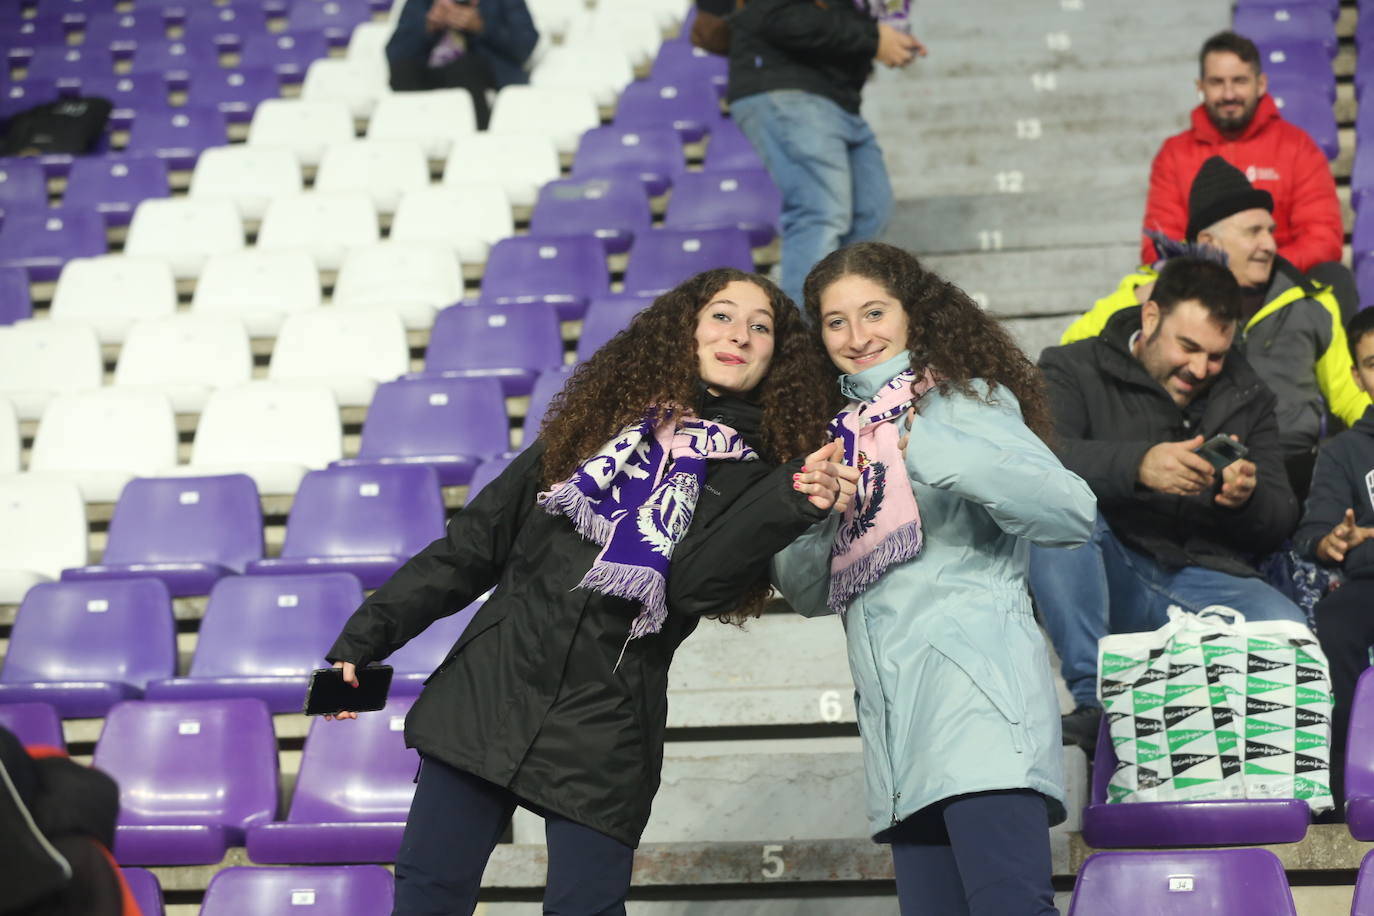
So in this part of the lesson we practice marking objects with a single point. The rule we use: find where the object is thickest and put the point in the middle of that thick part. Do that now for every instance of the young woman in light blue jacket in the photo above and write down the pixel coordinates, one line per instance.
(959, 718)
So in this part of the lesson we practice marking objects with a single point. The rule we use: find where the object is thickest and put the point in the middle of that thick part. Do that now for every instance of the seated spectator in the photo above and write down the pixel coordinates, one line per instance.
(1131, 407)
(1290, 326)
(1338, 531)
(475, 45)
(1240, 122)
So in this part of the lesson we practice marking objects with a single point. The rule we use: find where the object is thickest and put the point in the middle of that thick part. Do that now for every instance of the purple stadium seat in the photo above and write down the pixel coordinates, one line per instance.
(146, 889)
(115, 186)
(416, 660)
(1223, 822)
(190, 532)
(262, 636)
(353, 890)
(41, 242)
(730, 149)
(605, 318)
(1359, 758)
(1300, 63)
(512, 343)
(122, 33)
(744, 198)
(1285, 24)
(16, 97)
(236, 93)
(34, 724)
(1363, 905)
(1332, 8)
(21, 38)
(71, 11)
(615, 210)
(351, 797)
(288, 53)
(335, 18)
(1361, 237)
(488, 471)
(23, 185)
(545, 387)
(1188, 882)
(653, 153)
(15, 304)
(681, 62)
(68, 65)
(564, 272)
(193, 776)
(449, 424)
(691, 108)
(226, 26)
(84, 646)
(367, 521)
(663, 258)
(1364, 281)
(1312, 111)
(178, 135)
(177, 60)
(130, 93)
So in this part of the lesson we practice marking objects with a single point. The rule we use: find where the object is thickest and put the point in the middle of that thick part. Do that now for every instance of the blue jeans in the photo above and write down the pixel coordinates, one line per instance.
(1105, 587)
(829, 168)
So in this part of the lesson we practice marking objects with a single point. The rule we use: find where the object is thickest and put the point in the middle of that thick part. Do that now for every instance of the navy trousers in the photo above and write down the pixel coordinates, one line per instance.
(986, 854)
(456, 820)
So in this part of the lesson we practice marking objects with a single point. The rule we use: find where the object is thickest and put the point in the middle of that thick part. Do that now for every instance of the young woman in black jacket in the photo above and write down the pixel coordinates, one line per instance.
(665, 477)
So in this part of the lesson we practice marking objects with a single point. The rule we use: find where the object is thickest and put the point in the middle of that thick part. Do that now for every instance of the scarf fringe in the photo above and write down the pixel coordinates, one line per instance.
(901, 545)
(633, 583)
(567, 500)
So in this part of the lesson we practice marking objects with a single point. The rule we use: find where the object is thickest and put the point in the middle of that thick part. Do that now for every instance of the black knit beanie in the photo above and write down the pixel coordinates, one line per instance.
(1221, 190)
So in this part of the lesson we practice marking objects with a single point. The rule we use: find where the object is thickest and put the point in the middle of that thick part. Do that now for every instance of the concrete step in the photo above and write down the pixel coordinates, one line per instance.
(1033, 335)
(1146, 83)
(914, 175)
(1030, 50)
(939, 23)
(1018, 284)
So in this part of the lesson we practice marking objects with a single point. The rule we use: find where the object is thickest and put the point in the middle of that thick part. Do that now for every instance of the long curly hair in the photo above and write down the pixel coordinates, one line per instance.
(947, 331)
(653, 362)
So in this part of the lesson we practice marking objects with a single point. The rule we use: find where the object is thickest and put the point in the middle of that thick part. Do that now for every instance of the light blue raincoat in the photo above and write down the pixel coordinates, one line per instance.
(951, 674)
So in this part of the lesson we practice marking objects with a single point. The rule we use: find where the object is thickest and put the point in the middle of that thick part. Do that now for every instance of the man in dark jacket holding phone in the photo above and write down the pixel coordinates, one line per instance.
(1133, 408)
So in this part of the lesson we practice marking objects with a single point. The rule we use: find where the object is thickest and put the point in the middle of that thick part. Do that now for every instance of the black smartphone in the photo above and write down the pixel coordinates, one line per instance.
(1221, 450)
(328, 694)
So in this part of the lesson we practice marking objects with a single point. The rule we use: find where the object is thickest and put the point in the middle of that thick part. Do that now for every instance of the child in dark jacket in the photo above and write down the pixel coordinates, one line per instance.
(1338, 530)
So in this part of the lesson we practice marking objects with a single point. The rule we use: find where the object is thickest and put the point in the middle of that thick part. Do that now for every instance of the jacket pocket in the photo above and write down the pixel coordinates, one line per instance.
(953, 641)
(470, 634)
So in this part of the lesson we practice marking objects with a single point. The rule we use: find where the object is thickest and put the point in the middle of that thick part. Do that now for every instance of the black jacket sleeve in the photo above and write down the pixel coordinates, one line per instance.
(809, 27)
(450, 573)
(735, 550)
(1271, 513)
(508, 30)
(1326, 503)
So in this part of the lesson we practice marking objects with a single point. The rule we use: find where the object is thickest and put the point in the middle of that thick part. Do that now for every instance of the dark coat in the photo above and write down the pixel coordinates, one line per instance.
(506, 41)
(825, 48)
(1343, 479)
(1109, 412)
(530, 697)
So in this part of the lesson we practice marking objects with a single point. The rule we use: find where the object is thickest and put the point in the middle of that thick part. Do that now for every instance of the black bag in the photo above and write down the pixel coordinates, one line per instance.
(65, 126)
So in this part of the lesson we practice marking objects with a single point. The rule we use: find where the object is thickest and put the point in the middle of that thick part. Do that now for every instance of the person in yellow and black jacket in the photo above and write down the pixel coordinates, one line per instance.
(1291, 330)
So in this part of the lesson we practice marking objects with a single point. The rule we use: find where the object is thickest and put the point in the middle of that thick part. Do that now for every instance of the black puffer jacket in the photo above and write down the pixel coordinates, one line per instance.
(530, 696)
(1109, 412)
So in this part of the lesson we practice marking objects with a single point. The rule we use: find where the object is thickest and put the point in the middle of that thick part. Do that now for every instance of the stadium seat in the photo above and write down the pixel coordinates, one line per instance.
(545, 387)
(467, 218)
(129, 93)
(412, 279)
(653, 153)
(42, 532)
(22, 185)
(1313, 113)
(681, 62)
(1305, 64)
(42, 241)
(185, 231)
(629, 25)
(15, 303)
(226, 26)
(41, 359)
(114, 187)
(414, 662)
(565, 272)
(729, 149)
(178, 135)
(192, 775)
(249, 176)
(449, 424)
(102, 439)
(259, 287)
(368, 41)
(262, 636)
(16, 97)
(111, 292)
(518, 163)
(559, 114)
(384, 169)
(512, 343)
(599, 68)
(744, 198)
(357, 84)
(185, 357)
(350, 890)
(179, 60)
(692, 109)
(554, 17)
(273, 432)
(615, 210)
(67, 65)
(351, 797)
(146, 889)
(302, 126)
(1363, 904)
(25, 36)
(606, 317)
(335, 18)
(9, 438)
(348, 350)
(663, 258)
(288, 53)
(669, 15)
(84, 646)
(325, 225)
(1359, 761)
(189, 532)
(433, 119)
(367, 521)
(34, 724)
(1191, 882)
(486, 472)
(236, 93)
(1294, 22)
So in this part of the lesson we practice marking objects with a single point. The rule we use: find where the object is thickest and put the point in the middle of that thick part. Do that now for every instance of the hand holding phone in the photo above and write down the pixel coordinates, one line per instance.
(1221, 450)
(331, 695)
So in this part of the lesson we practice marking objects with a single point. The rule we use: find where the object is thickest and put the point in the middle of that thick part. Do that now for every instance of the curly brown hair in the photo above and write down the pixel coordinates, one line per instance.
(653, 363)
(947, 331)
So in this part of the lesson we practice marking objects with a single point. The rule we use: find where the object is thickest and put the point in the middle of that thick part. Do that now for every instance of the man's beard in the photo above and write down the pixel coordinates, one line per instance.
(1233, 122)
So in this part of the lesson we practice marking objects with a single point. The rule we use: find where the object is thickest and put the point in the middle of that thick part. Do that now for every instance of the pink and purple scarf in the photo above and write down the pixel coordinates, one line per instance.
(636, 497)
(882, 526)
(896, 13)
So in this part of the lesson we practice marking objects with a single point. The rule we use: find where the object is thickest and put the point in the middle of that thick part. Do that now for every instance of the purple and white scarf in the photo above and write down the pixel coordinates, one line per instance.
(636, 497)
(896, 13)
(882, 526)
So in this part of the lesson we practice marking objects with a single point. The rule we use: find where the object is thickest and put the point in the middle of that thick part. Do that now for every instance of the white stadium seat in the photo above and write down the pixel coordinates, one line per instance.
(185, 357)
(598, 67)
(250, 176)
(9, 438)
(434, 119)
(519, 163)
(325, 225)
(112, 291)
(100, 440)
(468, 218)
(559, 114)
(184, 231)
(384, 169)
(631, 25)
(42, 359)
(368, 42)
(259, 287)
(553, 17)
(357, 84)
(42, 532)
(412, 279)
(304, 127)
(349, 350)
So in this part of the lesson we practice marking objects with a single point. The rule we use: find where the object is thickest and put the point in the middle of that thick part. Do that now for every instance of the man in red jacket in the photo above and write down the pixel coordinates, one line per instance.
(1238, 121)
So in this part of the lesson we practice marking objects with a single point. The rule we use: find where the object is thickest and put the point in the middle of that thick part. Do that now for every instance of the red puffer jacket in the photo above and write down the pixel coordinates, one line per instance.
(1277, 157)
